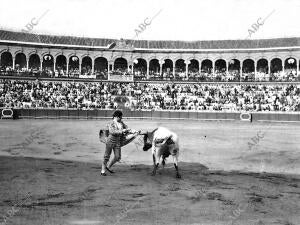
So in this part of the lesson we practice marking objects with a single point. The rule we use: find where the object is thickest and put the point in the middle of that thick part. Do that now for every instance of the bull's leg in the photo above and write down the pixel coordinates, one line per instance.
(155, 165)
(155, 159)
(175, 161)
(165, 154)
(163, 162)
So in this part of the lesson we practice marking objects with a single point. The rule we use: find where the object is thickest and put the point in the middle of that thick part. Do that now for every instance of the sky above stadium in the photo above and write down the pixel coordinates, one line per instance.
(162, 19)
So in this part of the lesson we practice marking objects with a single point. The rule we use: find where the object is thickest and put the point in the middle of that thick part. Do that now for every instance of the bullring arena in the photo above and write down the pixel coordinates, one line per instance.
(233, 103)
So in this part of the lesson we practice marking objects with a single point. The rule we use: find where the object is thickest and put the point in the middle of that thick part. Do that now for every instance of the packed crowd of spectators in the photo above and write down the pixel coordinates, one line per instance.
(220, 75)
(50, 73)
(149, 96)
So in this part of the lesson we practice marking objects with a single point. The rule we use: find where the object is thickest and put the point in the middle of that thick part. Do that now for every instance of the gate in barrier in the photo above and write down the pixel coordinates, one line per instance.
(244, 116)
(7, 113)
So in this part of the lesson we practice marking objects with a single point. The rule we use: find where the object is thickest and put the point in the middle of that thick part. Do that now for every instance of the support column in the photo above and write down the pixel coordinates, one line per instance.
(147, 74)
(255, 70)
(79, 67)
(269, 69)
(199, 69)
(160, 67)
(67, 67)
(54, 64)
(187, 70)
(93, 65)
(41, 66)
(174, 64)
(227, 70)
(27, 64)
(227, 66)
(241, 70)
(282, 63)
(213, 68)
(14, 62)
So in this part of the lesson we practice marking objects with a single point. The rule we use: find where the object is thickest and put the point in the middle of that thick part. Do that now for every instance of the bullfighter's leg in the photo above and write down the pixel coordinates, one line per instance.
(108, 150)
(175, 161)
(117, 157)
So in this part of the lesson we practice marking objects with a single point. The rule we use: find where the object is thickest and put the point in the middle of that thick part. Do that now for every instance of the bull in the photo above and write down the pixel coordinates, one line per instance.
(163, 143)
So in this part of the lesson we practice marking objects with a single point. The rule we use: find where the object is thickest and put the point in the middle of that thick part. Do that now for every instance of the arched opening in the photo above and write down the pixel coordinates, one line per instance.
(180, 67)
(167, 69)
(73, 66)
(48, 62)
(34, 62)
(262, 66)
(248, 70)
(220, 70)
(48, 65)
(61, 65)
(140, 69)
(86, 65)
(206, 66)
(206, 70)
(262, 70)
(248, 66)
(234, 67)
(290, 69)
(193, 69)
(276, 70)
(120, 65)
(20, 63)
(100, 67)
(154, 68)
(6, 61)
(276, 65)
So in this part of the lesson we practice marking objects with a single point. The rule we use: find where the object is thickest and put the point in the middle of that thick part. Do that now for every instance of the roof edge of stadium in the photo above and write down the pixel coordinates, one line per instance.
(254, 44)
(58, 45)
(153, 49)
(115, 39)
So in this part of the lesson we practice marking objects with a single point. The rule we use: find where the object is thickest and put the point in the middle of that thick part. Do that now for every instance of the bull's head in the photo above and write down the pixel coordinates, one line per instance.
(147, 142)
(148, 139)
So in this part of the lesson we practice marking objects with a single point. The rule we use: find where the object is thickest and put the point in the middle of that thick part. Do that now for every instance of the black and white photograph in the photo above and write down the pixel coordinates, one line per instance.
(149, 112)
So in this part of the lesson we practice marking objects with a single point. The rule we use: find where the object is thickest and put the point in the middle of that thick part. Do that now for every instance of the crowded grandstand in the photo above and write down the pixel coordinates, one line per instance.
(149, 96)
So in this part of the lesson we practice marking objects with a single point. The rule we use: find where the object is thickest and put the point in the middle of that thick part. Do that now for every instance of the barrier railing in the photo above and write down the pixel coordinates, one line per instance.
(179, 115)
(150, 80)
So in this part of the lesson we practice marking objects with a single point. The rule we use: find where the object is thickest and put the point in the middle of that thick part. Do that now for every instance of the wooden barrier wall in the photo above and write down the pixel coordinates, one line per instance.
(102, 114)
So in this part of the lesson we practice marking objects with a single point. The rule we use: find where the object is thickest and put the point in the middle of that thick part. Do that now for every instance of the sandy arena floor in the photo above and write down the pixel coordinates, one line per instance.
(50, 174)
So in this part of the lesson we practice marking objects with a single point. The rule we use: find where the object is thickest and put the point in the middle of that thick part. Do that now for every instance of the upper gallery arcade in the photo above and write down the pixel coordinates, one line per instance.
(25, 50)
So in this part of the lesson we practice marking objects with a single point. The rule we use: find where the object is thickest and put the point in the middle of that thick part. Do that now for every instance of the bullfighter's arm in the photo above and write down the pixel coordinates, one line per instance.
(128, 130)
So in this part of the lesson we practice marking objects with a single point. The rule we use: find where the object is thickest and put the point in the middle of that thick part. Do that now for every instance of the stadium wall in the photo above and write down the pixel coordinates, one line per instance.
(128, 114)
